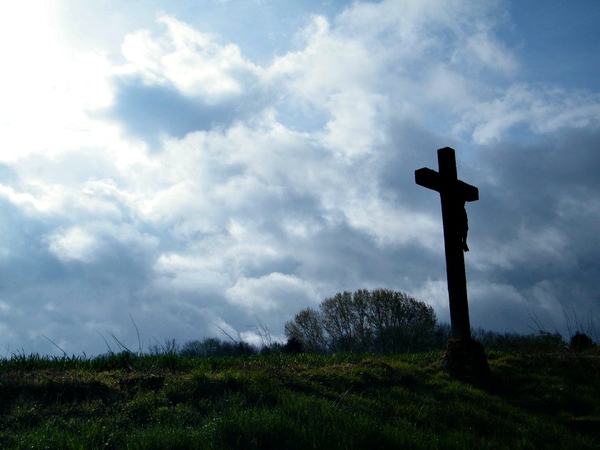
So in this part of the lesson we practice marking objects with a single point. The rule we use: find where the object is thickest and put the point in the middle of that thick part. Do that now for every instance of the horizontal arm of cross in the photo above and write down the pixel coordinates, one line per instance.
(428, 178)
(433, 180)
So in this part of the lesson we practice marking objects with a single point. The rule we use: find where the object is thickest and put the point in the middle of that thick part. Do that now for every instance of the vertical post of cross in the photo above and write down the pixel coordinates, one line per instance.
(452, 207)
(454, 193)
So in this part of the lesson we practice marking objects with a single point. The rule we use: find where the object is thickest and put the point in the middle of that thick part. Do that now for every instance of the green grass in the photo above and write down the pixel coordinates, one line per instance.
(166, 401)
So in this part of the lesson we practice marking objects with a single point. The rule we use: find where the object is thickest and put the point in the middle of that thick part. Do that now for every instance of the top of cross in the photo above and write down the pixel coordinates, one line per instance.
(446, 180)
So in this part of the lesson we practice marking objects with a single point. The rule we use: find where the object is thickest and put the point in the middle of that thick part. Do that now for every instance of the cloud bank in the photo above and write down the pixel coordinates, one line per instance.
(195, 190)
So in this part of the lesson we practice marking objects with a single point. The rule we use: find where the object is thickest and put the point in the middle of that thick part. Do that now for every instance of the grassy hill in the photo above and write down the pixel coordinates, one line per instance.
(298, 401)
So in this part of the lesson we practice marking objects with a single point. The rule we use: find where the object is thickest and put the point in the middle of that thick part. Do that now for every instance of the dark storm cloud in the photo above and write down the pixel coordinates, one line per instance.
(537, 221)
(554, 182)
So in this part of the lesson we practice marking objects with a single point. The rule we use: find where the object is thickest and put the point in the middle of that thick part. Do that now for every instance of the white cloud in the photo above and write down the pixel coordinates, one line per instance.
(543, 109)
(435, 293)
(191, 273)
(270, 291)
(74, 244)
(25, 200)
(490, 53)
(193, 62)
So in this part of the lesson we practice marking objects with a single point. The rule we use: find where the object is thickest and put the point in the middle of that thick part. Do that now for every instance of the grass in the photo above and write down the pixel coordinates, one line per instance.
(304, 401)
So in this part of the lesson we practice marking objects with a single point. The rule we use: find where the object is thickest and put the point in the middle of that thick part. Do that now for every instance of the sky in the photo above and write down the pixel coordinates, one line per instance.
(179, 169)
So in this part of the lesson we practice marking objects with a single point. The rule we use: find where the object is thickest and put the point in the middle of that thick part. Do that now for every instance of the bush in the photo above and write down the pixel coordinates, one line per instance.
(215, 347)
(541, 342)
(275, 348)
(293, 346)
(581, 341)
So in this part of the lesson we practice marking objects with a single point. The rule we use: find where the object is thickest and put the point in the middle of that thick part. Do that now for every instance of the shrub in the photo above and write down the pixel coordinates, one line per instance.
(581, 341)
(293, 346)
(215, 347)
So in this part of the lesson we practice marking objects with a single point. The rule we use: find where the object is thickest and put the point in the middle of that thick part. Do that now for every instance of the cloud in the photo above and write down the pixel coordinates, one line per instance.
(189, 60)
(74, 244)
(266, 292)
(151, 112)
(543, 109)
(198, 190)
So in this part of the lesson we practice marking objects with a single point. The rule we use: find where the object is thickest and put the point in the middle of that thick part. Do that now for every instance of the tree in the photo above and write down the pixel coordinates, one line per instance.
(340, 319)
(400, 322)
(306, 328)
(381, 320)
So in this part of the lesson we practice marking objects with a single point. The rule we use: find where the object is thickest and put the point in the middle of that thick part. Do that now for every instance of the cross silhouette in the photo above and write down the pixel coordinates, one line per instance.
(454, 193)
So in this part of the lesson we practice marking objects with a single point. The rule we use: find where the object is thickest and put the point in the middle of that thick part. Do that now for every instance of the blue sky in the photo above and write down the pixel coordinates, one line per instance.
(202, 166)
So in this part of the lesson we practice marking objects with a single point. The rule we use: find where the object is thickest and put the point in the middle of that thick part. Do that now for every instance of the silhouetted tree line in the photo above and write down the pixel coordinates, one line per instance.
(211, 347)
(384, 321)
(379, 321)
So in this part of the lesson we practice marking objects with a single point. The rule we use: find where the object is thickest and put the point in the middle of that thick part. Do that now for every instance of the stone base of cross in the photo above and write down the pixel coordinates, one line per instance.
(462, 354)
(465, 360)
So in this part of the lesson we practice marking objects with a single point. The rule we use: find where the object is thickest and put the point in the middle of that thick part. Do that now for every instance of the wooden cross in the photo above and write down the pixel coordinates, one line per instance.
(454, 193)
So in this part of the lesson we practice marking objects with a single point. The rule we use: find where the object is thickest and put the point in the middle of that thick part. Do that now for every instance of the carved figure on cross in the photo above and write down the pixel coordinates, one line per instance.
(464, 228)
